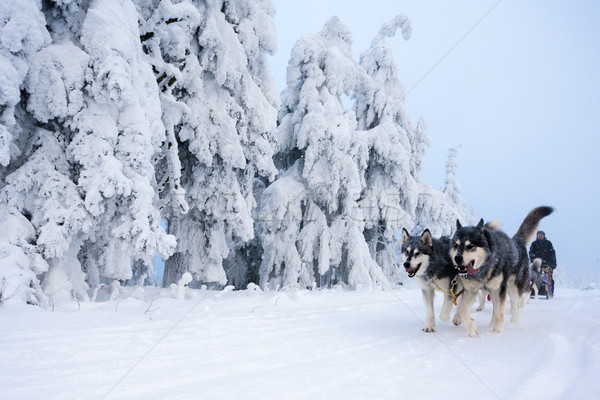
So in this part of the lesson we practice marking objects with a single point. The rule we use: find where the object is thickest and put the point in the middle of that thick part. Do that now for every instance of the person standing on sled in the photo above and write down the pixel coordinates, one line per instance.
(542, 248)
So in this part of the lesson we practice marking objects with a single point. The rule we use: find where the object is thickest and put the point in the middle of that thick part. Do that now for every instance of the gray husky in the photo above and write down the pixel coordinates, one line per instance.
(491, 260)
(428, 260)
(535, 271)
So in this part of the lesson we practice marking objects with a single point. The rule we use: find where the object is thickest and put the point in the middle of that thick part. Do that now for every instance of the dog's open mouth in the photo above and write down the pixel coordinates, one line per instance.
(468, 269)
(412, 271)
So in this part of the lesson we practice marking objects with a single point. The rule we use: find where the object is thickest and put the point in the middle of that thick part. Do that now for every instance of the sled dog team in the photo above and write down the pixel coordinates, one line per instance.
(476, 258)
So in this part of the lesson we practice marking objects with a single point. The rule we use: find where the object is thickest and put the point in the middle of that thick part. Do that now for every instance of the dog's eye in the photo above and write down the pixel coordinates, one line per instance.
(455, 246)
(469, 247)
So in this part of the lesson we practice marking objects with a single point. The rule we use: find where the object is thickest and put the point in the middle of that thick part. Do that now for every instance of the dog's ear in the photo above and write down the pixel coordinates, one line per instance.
(458, 225)
(480, 224)
(405, 236)
(426, 238)
(488, 238)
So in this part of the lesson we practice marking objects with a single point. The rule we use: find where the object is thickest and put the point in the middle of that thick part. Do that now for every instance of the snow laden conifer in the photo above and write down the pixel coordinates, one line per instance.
(419, 143)
(438, 210)
(387, 151)
(115, 137)
(22, 34)
(310, 221)
(219, 111)
(79, 190)
(254, 26)
(452, 191)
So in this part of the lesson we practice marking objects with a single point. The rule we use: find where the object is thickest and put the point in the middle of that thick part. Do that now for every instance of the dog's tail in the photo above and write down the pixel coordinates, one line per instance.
(493, 225)
(530, 224)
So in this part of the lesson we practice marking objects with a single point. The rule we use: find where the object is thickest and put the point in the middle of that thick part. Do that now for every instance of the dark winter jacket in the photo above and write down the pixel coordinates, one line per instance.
(543, 249)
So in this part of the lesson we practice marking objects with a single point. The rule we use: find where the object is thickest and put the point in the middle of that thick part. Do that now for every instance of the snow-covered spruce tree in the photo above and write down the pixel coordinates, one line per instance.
(79, 184)
(310, 221)
(388, 152)
(419, 143)
(219, 110)
(22, 34)
(451, 187)
(115, 137)
(256, 31)
(452, 191)
(438, 210)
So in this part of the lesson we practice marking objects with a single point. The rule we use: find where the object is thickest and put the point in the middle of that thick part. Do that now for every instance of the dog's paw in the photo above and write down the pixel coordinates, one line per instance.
(457, 321)
(473, 331)
(480, 308)
(471, 328)
(445, 317)
(429, 329)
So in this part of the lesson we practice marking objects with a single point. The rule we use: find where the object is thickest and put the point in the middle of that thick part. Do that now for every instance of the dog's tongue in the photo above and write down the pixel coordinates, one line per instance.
(470, 269)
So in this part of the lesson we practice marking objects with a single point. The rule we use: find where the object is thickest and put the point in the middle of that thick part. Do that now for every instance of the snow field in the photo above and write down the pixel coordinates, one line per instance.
(325, 344)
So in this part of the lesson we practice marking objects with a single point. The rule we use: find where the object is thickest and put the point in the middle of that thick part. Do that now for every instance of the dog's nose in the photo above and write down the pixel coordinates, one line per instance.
(407, 265)
(458, 259)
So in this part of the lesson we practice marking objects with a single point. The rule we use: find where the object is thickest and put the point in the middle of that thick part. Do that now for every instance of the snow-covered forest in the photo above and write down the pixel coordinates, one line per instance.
(136, 128)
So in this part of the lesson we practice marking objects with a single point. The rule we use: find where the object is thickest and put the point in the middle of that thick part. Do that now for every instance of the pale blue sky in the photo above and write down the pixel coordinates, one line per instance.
(520, 93)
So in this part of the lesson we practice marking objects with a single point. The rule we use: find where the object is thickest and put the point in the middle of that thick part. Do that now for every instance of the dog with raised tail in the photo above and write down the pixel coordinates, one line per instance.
(491, 260)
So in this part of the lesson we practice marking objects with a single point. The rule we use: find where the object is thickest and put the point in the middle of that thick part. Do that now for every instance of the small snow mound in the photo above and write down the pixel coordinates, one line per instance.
(139, 293)
(253, 288)
(226, 289)
(181, 285)
(185, 279)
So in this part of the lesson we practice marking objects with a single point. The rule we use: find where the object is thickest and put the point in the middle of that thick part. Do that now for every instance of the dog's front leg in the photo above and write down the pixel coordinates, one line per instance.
(446, 307)
(457, 319)
(465, 312)
(499, 305)
(430, 316)
(448, 300)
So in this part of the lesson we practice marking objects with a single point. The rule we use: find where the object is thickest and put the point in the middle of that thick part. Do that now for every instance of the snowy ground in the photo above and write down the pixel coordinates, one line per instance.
(331, 344)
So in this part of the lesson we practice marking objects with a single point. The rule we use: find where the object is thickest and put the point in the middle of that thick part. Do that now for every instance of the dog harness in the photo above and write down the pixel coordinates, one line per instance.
(453, 283)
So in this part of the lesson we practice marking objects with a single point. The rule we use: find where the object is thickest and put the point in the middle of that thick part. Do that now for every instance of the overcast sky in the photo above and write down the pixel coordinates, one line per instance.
(515, 83)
